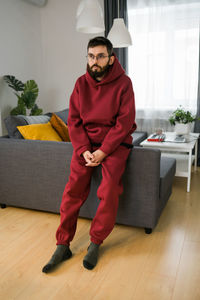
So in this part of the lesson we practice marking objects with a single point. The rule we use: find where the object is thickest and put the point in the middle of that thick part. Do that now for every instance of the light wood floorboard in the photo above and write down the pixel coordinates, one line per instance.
(132, 265)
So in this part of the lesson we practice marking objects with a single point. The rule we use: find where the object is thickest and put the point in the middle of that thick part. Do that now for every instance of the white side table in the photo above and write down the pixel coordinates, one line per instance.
(181, 151)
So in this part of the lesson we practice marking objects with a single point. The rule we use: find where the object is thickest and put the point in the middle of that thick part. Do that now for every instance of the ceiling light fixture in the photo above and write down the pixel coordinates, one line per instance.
(90, 17)
(119, 34)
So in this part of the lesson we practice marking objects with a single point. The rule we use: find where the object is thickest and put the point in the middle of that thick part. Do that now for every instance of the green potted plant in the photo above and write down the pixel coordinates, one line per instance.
(182, 120)
(26, 93)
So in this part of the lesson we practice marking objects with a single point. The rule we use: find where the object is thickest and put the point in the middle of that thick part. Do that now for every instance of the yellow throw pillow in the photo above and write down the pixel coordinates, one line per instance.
(60, 126)
(44, 132)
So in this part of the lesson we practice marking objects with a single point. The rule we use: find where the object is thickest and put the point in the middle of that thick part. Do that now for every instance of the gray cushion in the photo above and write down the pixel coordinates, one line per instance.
(63, 114)
(11, 123)
(36, 119)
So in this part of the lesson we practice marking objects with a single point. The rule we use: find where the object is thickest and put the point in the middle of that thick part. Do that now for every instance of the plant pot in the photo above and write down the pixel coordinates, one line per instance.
(182, 129)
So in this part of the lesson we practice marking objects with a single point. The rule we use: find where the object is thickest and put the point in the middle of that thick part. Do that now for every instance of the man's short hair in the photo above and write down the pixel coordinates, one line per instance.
(101, 41)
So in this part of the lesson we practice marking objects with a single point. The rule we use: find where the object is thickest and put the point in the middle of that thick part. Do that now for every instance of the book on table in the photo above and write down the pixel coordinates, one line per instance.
(156, 138)
(163, 138)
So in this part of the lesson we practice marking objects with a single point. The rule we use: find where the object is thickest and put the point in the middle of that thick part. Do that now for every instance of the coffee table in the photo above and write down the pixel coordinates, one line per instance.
(181, 151)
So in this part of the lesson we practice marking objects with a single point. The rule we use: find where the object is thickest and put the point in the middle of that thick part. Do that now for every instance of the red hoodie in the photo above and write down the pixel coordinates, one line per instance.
(102, 112)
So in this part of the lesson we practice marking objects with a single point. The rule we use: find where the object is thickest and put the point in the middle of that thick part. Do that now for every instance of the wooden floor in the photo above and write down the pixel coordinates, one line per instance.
(132, 265)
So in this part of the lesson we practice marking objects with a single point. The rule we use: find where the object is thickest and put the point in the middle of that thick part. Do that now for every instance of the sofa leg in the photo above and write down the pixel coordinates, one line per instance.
(3, 205)
(148, 230)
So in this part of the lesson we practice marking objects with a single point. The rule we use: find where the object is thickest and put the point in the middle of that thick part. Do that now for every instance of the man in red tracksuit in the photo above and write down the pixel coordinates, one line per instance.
(101, 121)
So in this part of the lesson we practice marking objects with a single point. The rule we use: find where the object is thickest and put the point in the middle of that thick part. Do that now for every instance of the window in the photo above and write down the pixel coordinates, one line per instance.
(164, 57)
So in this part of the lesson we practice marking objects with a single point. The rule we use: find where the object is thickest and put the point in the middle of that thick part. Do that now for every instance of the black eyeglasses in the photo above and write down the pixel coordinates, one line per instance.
(99, 57)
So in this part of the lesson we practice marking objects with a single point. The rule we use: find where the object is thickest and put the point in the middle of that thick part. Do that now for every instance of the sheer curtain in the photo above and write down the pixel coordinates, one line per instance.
(163, 60)
(197, 122)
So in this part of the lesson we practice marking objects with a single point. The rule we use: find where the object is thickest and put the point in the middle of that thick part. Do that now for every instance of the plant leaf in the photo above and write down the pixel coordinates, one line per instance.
(30, 93)
(36, 111)
(14, 83)
(29, 99)
(19, 110)
(31, 86)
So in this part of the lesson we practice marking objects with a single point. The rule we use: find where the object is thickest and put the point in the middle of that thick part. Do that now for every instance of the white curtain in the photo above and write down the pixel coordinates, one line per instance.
(163, 60)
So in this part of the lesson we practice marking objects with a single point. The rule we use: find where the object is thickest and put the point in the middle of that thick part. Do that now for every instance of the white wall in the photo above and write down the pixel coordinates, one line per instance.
(20, 47)
(41, 44)
(64, 52)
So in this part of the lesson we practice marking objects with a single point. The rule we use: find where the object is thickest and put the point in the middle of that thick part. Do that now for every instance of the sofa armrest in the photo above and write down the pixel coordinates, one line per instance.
(141, 181)
(143, 170)
(138, 137)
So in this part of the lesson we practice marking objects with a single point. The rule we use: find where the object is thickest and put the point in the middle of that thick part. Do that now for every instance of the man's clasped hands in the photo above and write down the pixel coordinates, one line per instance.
(93, 159)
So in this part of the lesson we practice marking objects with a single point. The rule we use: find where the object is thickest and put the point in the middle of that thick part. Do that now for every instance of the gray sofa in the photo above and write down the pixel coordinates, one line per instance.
(33, 175)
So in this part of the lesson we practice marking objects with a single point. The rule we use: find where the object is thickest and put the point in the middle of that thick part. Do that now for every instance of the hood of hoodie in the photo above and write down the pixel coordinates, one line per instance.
(115, 71)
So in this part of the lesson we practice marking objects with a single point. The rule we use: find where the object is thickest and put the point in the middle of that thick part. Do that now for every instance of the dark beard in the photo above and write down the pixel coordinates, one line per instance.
(96, 74)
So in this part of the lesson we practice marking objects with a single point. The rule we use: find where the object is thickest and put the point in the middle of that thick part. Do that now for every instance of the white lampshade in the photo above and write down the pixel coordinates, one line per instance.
(119, 34)
(90, 17)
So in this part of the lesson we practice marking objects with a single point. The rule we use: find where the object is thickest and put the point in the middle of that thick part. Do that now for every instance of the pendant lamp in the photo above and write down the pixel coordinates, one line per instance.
(90, 17)
(119, 34)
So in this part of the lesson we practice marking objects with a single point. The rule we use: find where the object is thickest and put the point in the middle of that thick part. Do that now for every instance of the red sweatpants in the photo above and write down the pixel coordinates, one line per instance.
(77, 190)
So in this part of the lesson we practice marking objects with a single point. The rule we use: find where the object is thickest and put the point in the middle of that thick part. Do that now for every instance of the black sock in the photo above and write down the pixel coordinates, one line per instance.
(90, 260)
(62, 253)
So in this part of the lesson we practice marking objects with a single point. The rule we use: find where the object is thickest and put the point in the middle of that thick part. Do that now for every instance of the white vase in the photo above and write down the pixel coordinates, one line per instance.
(182, 129)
